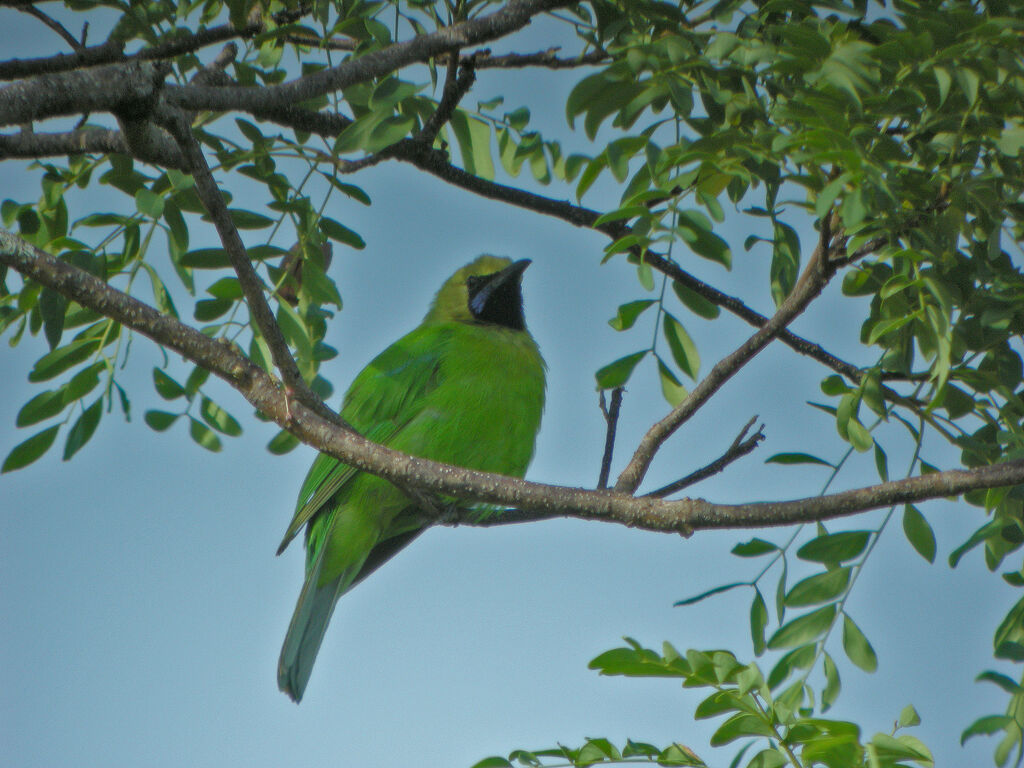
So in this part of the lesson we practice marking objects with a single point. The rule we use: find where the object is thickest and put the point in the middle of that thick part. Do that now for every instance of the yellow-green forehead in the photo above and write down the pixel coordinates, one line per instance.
(451, 302)
(481, 265)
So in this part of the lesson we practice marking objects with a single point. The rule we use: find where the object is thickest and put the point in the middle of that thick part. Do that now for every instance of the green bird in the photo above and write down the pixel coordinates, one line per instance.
(466, 388)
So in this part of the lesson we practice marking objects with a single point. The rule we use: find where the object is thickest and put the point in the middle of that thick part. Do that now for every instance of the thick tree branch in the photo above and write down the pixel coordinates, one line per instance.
(816, 275)
(131, 88)
(534, 501)
(513, 16)
(112, 51)
(30, 145)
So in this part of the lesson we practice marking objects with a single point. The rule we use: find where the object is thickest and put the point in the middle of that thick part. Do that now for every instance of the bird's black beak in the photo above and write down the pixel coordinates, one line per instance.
(498, 298)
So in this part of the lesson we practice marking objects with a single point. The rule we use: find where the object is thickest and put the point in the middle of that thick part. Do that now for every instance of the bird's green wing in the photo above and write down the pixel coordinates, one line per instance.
(383, 399)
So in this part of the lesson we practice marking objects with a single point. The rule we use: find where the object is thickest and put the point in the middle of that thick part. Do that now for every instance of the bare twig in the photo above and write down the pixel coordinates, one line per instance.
(56, 26)
(535, 501)
(611, 418)
(740, 447)
(808, 287)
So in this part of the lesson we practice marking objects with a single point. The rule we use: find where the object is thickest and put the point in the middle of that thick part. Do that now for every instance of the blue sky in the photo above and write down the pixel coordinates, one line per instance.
(144, 608)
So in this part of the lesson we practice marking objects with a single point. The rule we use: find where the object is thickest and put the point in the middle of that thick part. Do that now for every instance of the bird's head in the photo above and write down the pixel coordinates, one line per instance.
(487, 290)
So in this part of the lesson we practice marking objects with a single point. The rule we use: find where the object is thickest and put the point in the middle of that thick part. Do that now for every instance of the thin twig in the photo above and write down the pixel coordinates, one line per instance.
(738, 449)
(56, 26)
(611, 418)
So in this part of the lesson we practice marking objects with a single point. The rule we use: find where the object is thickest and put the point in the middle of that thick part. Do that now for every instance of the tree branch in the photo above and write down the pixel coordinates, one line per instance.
(738, 449)
(513, 16)
(56, 26)
(483, 59)
(535, 501)
(112, 51)
(611, 418)
(816, 275)
(131, 88)
(210, 195)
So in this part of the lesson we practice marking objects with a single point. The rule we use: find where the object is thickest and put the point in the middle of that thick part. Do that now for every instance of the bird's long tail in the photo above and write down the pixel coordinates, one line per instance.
(314, 609)
(306, 631)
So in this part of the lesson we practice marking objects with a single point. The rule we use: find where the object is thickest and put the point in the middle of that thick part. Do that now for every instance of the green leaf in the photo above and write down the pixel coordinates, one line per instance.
(59, 360)
(908, 717)
(740, 725)
(888, 749)
(1008, 684)
(684, 351)
(803, 629)
(766, 758)
(52, 306)
(388, 131)
(26, 452)
(43, 406)
(758, 622)
(709, 592)
(83, 428)
(160, 420)
(754, 548)
(858, 435)
(984, 726)
(881, 463)
(819, 588)
(203, 435)
(282, 443)
(832, 683)
(695, 230)
(857, 646)
(671, 388)
(645, 275)
(226, 288)
(989, 529)
(493, 762)
(919, 532)
(628, 314)
(617, 373)
(167, 387)
(196, 379)
(834, 547)
(207, 310)
(83, 382)
(250, 219)
(719, 703)
(474, 140)
(797, 458)
(295, 331)
(695, 302)
(149, 203)
(218, 418)
(206, 258)
(340, 233)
